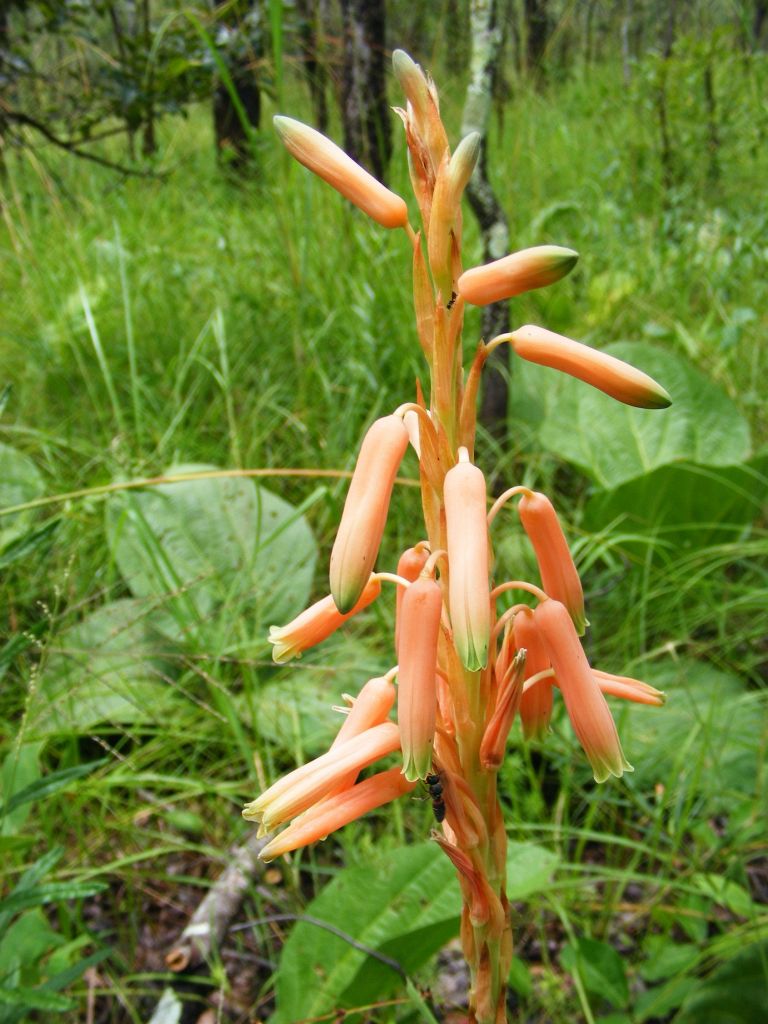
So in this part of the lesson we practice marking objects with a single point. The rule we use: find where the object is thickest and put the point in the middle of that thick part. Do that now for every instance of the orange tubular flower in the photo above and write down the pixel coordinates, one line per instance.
(616, 378)
(558, 573)
(590, 716)
(410, 565)
(307, 785)
(329, 162)
(371, 707)
(629, 689)
(467, 529)
(337, 811)
(365, 510)
(535, 704)
(416, 680)
(512, 275)
(316, 624)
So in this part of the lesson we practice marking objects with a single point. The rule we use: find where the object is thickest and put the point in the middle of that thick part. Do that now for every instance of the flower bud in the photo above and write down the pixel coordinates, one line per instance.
(512, 275)
(365, 510)
(416, 679)
(590, 716)
(463, 162)
(616, 378)
(467, 531)
(559, 577)
(409, 566)
(329, 162)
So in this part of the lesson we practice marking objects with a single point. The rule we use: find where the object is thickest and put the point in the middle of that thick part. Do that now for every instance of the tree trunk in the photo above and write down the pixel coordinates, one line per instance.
(310, 37)
(486, 40)
(232, 129)
(148, 142)
(626, 51)
(668, 41)
(364, 107)
(537, 30)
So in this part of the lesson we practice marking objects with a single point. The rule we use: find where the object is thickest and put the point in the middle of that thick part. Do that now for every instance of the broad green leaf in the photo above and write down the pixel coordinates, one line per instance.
(684, 505)
(20, 770)
(657, 1002)
(734, 994)
(600, 967)
(28, 939)
(726, 893)
(34, 999)
(295, 708)
(49, 784)
(111, 667)
(614, 443)
(709, 735)
(216, 554)
(405, 906)
(20, 481)
(666, 958)
(529, 869)
(520, 978)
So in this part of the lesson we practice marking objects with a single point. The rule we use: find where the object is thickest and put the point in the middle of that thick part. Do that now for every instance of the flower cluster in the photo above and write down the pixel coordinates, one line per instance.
(464, 671)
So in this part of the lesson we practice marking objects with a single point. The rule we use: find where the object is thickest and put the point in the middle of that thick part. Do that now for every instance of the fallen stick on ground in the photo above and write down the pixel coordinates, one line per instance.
(210, 921)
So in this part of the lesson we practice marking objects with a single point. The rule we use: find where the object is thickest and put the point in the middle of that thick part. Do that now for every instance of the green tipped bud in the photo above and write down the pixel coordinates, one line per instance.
(520, 272)
(463, 163)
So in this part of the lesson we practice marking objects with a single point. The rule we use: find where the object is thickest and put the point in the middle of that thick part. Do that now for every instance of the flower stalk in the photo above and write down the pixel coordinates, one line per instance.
(465, 667)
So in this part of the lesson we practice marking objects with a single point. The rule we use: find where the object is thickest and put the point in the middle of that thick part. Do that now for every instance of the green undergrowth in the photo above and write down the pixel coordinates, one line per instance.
(189, 322)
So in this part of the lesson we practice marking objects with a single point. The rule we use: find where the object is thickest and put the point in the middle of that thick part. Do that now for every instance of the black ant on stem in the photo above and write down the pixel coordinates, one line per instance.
(435, 787)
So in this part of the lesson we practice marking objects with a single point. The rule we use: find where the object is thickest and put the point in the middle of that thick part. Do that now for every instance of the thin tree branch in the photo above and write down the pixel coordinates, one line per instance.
(73, 145)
